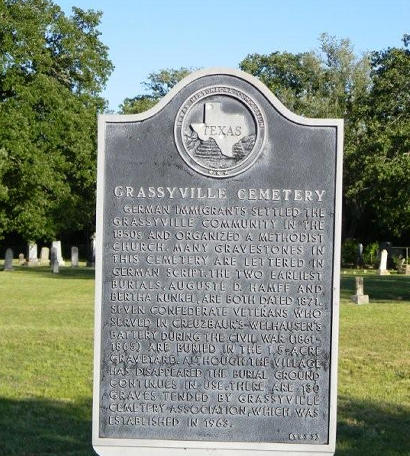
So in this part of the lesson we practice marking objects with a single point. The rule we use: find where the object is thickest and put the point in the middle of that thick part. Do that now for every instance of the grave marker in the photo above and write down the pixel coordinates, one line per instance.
(217, 275)
(8, 260)
(91, 253)
(74, 257)
(383, 263)
(45, 256)
(359, 258)
(57, 246)
(54, 260)
(32, 254)
(360, 297)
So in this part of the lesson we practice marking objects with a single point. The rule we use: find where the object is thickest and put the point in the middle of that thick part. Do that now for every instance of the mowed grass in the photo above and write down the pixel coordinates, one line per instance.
(374, 368)
(46, 345)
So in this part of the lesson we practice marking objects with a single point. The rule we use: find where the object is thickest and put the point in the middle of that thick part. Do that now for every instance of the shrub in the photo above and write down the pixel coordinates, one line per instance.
(349, 252)
(370, 254)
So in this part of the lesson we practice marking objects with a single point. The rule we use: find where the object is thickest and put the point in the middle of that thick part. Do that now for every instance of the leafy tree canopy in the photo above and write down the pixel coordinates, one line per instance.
(379, 159)
(158, 85)
(52, 70)
(371, 93)
(323, 83)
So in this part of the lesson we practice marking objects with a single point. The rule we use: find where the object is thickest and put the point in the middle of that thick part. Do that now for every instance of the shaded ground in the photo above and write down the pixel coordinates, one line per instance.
(35, 427)
(368, 428)
(379, 288)
(40, 427)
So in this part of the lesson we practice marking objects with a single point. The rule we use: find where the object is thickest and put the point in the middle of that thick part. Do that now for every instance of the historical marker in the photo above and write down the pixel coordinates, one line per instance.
(217, 275)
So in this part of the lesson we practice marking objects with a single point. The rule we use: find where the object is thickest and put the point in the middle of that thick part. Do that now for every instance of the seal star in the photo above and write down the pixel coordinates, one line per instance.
(225, 128)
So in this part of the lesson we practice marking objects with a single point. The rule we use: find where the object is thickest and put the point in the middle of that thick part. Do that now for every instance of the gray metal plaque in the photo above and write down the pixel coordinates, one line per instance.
(217, 274)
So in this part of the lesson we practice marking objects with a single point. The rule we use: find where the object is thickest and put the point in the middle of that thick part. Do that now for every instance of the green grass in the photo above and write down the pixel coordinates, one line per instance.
(46, 344)
(374, 368)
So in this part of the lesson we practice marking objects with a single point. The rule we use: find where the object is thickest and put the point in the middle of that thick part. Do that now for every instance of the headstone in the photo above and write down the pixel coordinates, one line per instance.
(404, 267)
(45, 256)
(402, 262)
(383, 263)
(22, 259)
(389, 247)
(91, 254)
(217, 275)
(74, 257)
(57, 246)
(360, 297)
(54, 260)
(8, 260)
(32, 254)
(359, 259)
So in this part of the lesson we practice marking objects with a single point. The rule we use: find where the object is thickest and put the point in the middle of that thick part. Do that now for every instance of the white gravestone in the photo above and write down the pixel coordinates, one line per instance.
(383, 263)
(45, 256)
(22, 260)
(54, 260)
(57, 246)
(32, 255)
(74, 257)
(8, 260)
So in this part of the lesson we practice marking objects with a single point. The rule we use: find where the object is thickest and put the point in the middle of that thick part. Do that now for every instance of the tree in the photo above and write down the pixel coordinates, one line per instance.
(157, 86)
(372, 94)
(379, 183)
(314, 84)
(52, 70)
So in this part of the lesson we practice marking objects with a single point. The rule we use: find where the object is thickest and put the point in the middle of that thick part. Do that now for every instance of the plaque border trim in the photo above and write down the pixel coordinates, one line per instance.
(150, 447)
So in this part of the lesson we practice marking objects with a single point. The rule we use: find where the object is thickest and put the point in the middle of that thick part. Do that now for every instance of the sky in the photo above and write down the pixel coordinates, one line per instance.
(145, 36)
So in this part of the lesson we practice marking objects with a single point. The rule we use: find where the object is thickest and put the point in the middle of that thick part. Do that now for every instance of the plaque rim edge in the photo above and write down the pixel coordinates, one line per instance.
(147, 444)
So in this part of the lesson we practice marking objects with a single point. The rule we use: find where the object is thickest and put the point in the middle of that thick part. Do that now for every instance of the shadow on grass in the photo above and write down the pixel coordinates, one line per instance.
(44, 428)
(370, 429)
(380, 288)
(64, 273)
(40, 427)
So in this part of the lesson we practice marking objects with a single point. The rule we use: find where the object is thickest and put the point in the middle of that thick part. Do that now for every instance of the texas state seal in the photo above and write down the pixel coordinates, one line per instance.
(219, 131)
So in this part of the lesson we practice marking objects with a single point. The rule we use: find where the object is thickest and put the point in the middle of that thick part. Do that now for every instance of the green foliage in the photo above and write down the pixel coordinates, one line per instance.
(349, 252)
(377, 183)
(161, 82)
(52, 69)
(4, 196)
(138, 104)
(314, 84)
(158, 85)
(370, 254)
(372, 94)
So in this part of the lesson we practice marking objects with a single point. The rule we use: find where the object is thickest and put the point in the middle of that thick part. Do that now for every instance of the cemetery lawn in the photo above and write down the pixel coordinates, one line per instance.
(46, 349)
